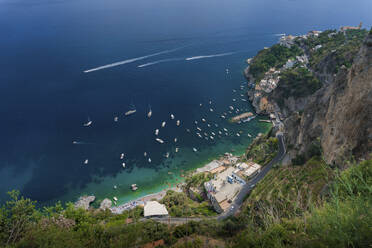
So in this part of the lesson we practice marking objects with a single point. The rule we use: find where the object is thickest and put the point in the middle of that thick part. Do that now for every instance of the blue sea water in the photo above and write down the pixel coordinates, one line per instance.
(45, 96)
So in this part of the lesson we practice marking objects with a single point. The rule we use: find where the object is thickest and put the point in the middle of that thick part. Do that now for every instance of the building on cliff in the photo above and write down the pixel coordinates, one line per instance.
(344, 28)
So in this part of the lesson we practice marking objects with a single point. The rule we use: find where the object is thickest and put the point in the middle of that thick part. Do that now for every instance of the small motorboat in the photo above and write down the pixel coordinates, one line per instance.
(123, 164)
(130, 112)
(122, 156)
(159, 140)
(116, 119)
(172, 117)
(86, 161)
(163, 124)
(149, 114)
(156, 132)
(88, 123)
(194, 149)
(178, 122)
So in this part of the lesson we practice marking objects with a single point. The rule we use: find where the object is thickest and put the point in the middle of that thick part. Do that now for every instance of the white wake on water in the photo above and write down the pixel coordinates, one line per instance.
(127, 61)
(160, 61)
(210, 56)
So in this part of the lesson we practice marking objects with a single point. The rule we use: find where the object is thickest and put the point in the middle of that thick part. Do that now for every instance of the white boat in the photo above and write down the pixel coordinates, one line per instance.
(209, 125)
(225, 129)
(172, 117)
(238, 134)
(200, 104)
(178, 122)
(199, 128)
(250, 136)
(115, 198)
(177, 149)
(156, 132)
(234, 100)
(163, 124)
(75, 142)
(175, 140)
(213, 134)
(211, 109)
(166, 155)
(203, 120)
(86, 161)
(231, 107)
(130, 112)
(149, 160)
(159, 140)
(205, 134)
(122, 156)
(145, 154)
(88, 123)
(115, 187)
(211, 137)
(219, 132)
(116, 118)
(222, 116)
(194, 149)
(123, 164)
(195, 122)
(149, 114)
(210, 102)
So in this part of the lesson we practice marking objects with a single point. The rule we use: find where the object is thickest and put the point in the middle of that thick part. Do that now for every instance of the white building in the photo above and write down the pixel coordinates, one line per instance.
(221, 191)
(154, 209)
(245, 171)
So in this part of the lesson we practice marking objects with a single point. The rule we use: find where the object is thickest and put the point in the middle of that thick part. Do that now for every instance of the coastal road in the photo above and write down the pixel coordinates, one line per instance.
(236, 204)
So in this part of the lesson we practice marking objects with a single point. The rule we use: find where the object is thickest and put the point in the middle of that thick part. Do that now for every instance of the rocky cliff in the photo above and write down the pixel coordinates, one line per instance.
(337, 116)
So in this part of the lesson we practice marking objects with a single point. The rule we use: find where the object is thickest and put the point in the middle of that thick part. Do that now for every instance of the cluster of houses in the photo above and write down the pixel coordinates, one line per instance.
(230, 176)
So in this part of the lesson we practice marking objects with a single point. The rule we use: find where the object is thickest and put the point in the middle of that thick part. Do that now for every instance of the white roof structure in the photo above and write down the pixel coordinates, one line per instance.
(154, 208)
(209, 167)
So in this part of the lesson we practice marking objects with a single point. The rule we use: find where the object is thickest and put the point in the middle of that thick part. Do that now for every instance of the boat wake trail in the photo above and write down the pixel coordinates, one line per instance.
(160, 61)
(82, 143)
(127, 61)
(279, 34)
(210, 56)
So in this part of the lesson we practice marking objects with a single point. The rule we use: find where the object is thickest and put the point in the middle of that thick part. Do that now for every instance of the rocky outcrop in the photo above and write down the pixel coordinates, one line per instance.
(84, 202)
(340, 113)
(105, 204)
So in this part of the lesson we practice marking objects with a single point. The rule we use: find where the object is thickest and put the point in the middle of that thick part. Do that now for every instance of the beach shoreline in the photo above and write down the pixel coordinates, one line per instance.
(142, 200)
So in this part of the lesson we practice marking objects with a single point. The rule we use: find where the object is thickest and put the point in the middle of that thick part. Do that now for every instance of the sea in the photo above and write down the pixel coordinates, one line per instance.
(69, 67)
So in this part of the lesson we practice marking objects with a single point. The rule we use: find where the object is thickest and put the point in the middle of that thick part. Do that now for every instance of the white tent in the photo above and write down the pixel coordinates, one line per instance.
(154, 208)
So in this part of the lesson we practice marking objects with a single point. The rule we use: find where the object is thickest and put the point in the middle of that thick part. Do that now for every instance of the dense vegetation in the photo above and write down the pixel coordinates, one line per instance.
(263, 149)
(178, 204)
(296, 82)
(341, 48)
(276, 56)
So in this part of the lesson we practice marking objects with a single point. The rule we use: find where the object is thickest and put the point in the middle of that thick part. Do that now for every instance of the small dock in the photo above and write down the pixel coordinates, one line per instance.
(241, 116)
(268, 121)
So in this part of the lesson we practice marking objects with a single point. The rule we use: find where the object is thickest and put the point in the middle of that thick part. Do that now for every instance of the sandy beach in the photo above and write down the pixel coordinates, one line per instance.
(142, 200)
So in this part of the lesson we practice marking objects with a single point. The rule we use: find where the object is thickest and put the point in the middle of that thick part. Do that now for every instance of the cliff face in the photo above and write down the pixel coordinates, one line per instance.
(338, 115)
